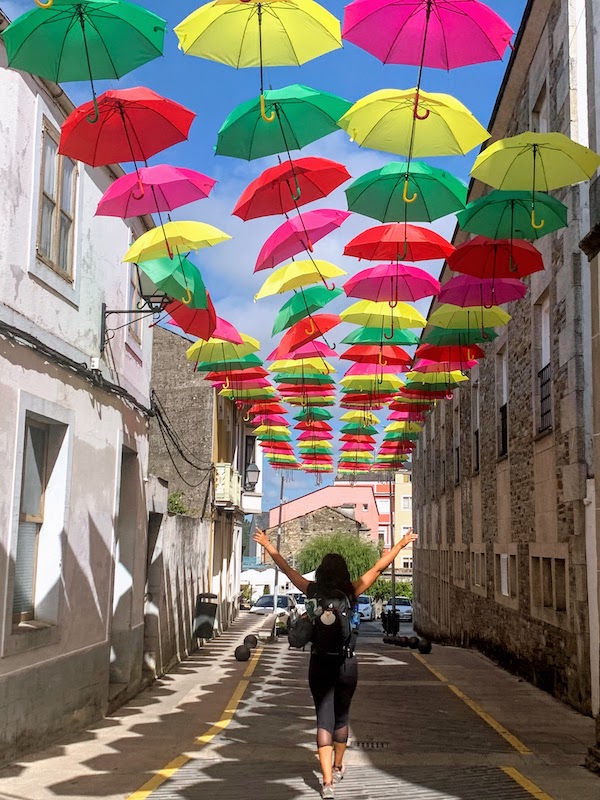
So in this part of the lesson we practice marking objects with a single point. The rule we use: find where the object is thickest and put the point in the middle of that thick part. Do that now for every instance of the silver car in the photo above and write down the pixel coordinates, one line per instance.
(287, 609)
(403, 608)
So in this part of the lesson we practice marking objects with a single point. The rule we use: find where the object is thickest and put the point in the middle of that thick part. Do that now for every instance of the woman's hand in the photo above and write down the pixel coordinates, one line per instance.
(261, 538)
(409, 538)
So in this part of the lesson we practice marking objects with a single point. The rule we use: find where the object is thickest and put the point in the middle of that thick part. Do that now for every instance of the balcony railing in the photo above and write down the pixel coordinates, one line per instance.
(228, 486)
(545, 398)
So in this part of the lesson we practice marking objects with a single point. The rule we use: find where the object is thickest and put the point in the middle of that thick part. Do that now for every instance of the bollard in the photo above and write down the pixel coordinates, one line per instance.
(251, 641)
(402, 641)
(424, 647)
(413, 642)
(242, 653)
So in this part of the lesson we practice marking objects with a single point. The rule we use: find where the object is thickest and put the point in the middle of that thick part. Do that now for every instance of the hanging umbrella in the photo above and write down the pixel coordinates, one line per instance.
(449, 352)
(491, 258)
(308, 379)
(353, 416)
(314, 414)
(368, 369)
(227, 332)
(395, 241)
(457, 336)
(406, 416)
(153, 189)
(376, 336)
(286, 186)
(302, 305)
(298, 234)
(303, 115)
(380, 383)
(312, 435)
(246, 362)
(258, 33)
(384, 121)
(216, 350)
(358, 447)
(268, 408)
(371, 314)
(451, 377)
(298, 274)
(200, 322)
(449, 316)
(313, 425)
(178, 278)
(302, 365)
(133, 125)
(306, 330)
(407, 427)
(314, 349)
(426, 365)
(406, 192)
(356, 427)
(465, 290)
(357, 437)
(384, 355)
(239, 375)
(538, 162)
(392, 282)
(76, 41)
(507, 215)
(174, 236)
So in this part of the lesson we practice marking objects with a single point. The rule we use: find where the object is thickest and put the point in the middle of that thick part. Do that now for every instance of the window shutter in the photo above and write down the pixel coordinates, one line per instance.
(25, 568)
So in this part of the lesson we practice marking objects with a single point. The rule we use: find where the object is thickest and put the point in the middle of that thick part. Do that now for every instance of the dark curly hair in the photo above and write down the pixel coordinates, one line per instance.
(332, 573)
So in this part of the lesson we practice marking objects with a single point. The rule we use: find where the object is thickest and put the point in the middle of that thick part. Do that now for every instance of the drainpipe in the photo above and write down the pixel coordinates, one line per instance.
(593, 573)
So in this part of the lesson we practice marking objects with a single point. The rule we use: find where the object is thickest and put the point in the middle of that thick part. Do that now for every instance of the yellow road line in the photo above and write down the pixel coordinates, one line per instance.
(173, 766)
(525, 783)
(513, 741)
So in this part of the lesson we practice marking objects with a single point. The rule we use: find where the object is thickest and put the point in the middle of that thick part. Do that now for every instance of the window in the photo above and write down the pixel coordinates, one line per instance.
(549, 584)
(407, 503)
(478, 569)
(31, 517)
(135, 297)
(475, 418)
(506, 574)
(407, 563)
(383, 505)
(57, 206)
(405, 529)
(365, 506)
(539, 114)
(502, 400)
(544, 374)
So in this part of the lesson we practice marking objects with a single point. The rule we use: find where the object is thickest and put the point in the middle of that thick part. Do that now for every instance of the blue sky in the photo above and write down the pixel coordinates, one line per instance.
(212, 90)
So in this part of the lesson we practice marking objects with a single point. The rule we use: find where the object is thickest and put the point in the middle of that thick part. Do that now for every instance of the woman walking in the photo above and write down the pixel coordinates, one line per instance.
(332, 677)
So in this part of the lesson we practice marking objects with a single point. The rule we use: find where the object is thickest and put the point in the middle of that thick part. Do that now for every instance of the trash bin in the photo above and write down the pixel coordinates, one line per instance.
(205, 614)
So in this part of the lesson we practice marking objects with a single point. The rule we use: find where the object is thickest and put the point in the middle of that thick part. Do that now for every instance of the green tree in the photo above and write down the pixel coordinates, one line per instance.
(382, 588)
(359, 554)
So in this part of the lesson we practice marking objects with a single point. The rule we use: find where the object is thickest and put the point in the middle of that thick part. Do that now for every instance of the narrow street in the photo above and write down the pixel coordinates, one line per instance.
(448, 726)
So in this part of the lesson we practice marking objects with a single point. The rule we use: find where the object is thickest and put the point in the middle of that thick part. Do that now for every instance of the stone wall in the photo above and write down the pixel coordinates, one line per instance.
(501, 562)
(297, 532)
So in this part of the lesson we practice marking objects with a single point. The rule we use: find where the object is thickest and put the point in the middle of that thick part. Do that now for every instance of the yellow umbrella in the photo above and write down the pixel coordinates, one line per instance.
(384, 120)
(453, 376)
(298, 274)
(300, 365)
(311, 400)
(449, 316)
(372, 314)
(174, 236)
(381, 382)
(308, 444)
(271, 429)
(220, 350)
(368, 418)
(536, 162)
(257, 33)
(408, 427)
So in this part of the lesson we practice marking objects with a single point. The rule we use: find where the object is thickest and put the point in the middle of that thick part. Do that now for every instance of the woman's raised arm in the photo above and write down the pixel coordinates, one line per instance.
(299, 581)
(369, 578)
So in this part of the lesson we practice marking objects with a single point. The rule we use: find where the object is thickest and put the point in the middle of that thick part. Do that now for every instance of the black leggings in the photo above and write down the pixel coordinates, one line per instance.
(332, 681)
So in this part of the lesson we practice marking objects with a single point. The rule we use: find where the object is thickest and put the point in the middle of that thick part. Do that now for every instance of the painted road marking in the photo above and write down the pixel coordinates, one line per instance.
(175, 765)
(514, 742)
(525, 783)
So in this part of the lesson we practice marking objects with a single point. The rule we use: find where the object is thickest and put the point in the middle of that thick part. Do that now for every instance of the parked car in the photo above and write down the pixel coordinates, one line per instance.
(287, 609)
(366, 607)
(300, 601)
(403, 607)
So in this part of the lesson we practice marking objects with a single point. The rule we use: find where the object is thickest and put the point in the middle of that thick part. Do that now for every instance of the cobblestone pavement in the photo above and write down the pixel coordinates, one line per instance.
(447, 726)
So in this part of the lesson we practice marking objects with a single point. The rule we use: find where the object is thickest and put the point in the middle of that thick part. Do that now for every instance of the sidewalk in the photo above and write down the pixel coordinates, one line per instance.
(448, 726)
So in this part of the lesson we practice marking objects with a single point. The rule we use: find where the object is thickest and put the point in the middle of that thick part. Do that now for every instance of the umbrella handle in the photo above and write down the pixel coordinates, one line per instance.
(405, 196)
(416, 114)
(449, 395)
(188, 296)
(140, 185)
(247, 417)
(534, 224)
(382, 361)
(263, 111)
(296, 195)
(312, 329)
(227, 384)
(391, 336)
(93, 119)
(44, 5)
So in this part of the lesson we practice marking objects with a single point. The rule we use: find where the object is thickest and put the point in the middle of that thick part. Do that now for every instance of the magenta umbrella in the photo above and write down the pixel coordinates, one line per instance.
(297, 234)
(154, 189)
(466, 290)
(373, 369)
(406, 416)
(392, 283)
(358, 446)
(443, 34)
(224, 330)
(312, 349)
(269, 419)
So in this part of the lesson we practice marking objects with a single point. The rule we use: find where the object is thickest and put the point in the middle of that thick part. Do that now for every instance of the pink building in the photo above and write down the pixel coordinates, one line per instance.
(360, 500)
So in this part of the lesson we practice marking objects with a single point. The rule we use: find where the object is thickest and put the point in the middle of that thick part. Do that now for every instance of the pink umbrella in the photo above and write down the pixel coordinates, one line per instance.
(315, 435)
(406, 416)
(465, 290)
(224, 330)
(313, 349)
(159, 188)
(392, 283)
(373, 369)
(363, 446)
(297, 234)
(433, 33)
(227, 384)
(425, 365)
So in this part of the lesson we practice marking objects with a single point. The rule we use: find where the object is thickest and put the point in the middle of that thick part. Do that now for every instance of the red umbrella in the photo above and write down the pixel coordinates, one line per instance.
(406, 416)
(305, 331)
(314, 425)
(436, 352)
(496, 258)
(200, 322)
(357, 437)
(414, 410)
(398, 240)
(291, 390)
(133, 125)
(269, 408)
(426, 365)
(238, 374)
(269, 419)
(388, 355)
(286, 186)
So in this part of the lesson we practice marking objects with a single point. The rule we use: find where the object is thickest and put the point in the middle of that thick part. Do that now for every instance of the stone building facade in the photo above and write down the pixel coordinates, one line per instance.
(295, 533)
(502, 472)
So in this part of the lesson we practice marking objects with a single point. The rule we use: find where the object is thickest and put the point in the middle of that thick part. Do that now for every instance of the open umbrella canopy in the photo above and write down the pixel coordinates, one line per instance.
(383, 355)
(507, 215)
(301, 305)
(362, 416)
(376, 336)
(458, 336)
(406, 427)
(453, 376)
(392, 282)
(298, 274)
(301, 365)
(308, 379)
(306, 330)
(286, 186)
(312, 350)
(315, 435)
(244, 362)
(443, 34)
(491, 258)
(268, 408)
(383, 120)
(358, 428)
(313, 425)
(466, 290)
(179, 278)
(372, 383)
(174, 236)
(449, 352)
(217, 350)
(298, 234)
(314, 414)
(371, 314)
(154, 189)
(397, 241)
(426, 365)
(369, 369)
(406, 192)
(302, 115)
(133, 125)
(449, 316)
(200, 322)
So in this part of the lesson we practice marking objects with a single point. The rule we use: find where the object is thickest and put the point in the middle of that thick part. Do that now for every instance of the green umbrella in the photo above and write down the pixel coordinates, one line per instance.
(310, 379)
(403, 192)
(178, 278)
(247, 362)
(303, 116)
(302, 304)
(375, 336)
(72, 40)
(275, 437)
(458, 336)
(400, 436)
(507, 215)
(314, 413)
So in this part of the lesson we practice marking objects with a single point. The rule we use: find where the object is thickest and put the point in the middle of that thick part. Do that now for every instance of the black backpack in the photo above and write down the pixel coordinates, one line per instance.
(332, 626)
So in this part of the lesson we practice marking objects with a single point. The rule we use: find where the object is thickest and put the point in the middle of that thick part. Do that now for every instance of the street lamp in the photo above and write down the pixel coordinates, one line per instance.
(252, 475)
